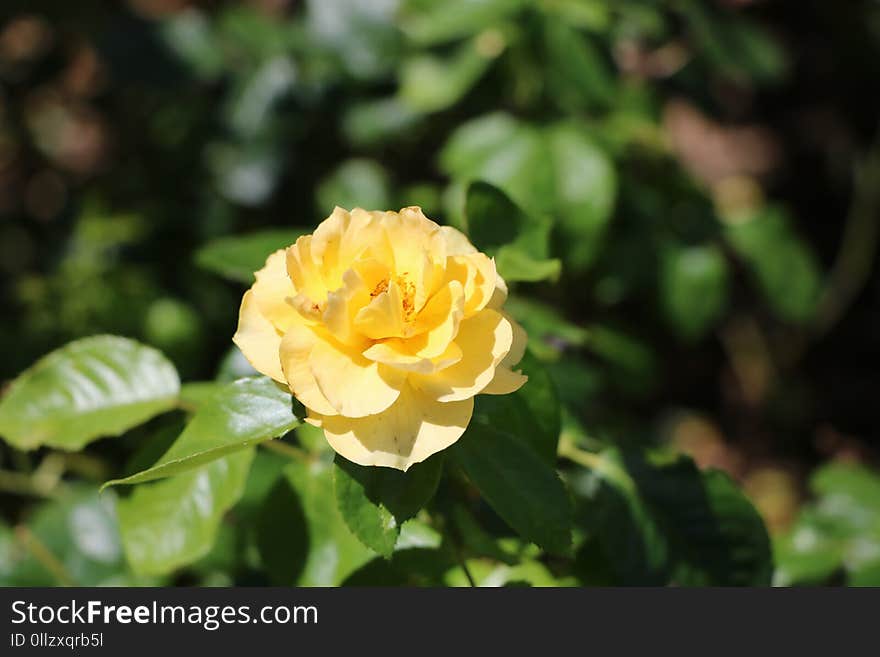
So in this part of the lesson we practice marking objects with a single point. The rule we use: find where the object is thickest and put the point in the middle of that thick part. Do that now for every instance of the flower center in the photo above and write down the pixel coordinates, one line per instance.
(407, 291)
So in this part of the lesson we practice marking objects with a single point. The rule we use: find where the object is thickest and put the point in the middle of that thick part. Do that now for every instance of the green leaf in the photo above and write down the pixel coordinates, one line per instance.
(430, 84)
(94, 387)
(632, 544)
(301, 536)
(505, 152)
(848, 486)
(733, 45)
(476, 540)
(518, 241)
(413, 567)
(172, 523)
(196, 394)
(433, 23)
(784, 267)
(239, 415)
(549, 332)
(517, 484)
(811, 551)
(376, 501)
(80, 533)
(531, 414)
(369, 122)
(238, 257)
(516, 265)
(556, 169)
(357, 183)
(578, 75)
(660, 520)
(839, 532)
(693, 288)
(585, 192)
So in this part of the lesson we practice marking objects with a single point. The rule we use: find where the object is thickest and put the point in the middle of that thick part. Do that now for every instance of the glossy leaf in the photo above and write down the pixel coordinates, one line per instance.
(90, 388)
(557, 169)
(196, 394)
(505, 152)
(172, 523)
(237, 257)
(531, 414)
(518, 241)
(239, 415)
(517, 484)
(375, 501)
(660, 520)
(301, 535)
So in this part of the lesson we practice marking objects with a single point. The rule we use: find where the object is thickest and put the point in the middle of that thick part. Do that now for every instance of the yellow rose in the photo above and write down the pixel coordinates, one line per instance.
(384, 325)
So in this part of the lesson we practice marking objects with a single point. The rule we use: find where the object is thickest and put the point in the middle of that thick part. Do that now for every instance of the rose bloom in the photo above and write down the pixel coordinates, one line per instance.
(384, 325)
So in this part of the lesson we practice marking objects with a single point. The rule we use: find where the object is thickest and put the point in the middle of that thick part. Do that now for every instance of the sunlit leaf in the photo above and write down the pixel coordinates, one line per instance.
(171, 523)
(660, 520)
(237, 257)
(375, 501)
(531, 413)
(517, 484)
(237, 416)
(301, 535)
(518, 241)
(74, 541)
(94, 387)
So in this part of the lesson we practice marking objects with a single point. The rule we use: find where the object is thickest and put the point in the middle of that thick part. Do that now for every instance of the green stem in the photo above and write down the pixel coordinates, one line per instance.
(858, 245)
(42, 554)
(451, 532)
(570, 451)
(286, 449)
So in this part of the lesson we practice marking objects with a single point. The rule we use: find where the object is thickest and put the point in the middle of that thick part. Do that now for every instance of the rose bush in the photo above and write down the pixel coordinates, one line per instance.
(385, 326)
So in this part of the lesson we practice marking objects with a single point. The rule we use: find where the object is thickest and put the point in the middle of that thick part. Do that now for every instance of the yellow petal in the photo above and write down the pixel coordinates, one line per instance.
(341, 238)
(258, 339)
(456, 241)
(419, 251)
(408, 432)
(272, 290)
(384, 316)
(304, 272)
(499, 295)
(385, 352)
(518, 345)
(484, 339)
(355, 386)
(506, 380)
(437, 324)
(296, 347)
(342, 308)
(477, 275)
